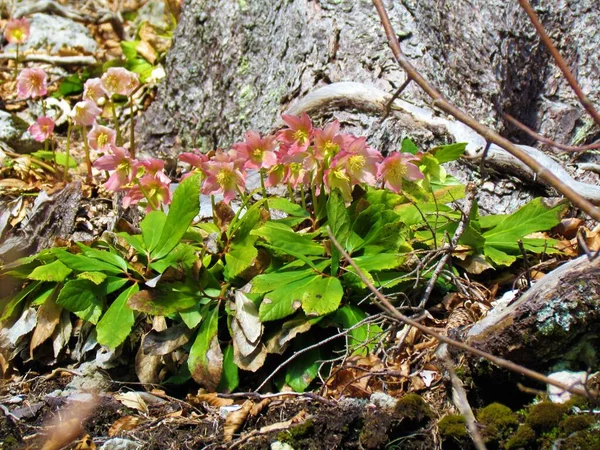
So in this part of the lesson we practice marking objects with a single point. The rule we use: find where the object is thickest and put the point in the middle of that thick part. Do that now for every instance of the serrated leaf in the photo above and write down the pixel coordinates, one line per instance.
(284, 300)
(498, 257)
(192, 316)
(409, 146)
(184, 207)
(152, 227)
(163, 302)
(55, 271)
(241, 255)
(206, 359)
(361, 336)
(450, 152)
(136, 241)
(95, 277)
(82, 263)
(270, 281)
(12, 305)
(322, 296)
(104, 255)
(283, 204)
(285, 239)
(115, 325)
(303, 369)
(80, 297)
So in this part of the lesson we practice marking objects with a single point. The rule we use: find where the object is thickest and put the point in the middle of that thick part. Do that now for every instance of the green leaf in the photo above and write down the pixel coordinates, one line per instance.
(104, 255)
(229, 378)
(192, 316)
(116, 323)
(163, 302)
(80, 297)
(183, 254)
(55, 271)
(239, 257)
(83, 263)
(184, 207)
(303, 369)
(129, 49)
(338, 219)
(431, 166)
(409, 146)
(41, 298)
(283, 204)
(113, 284)
(152, 227)
(12, 305)
(283, 238)
(61, 157)
(136, 241)
(450, 152)
(322, 296)
(349, 316)
(95, 277)
(206, 359)
(498, 257)
(71, 85)
(270, 281)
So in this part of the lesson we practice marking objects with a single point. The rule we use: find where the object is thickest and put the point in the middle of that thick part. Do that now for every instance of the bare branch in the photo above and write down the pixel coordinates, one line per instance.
(55, 60)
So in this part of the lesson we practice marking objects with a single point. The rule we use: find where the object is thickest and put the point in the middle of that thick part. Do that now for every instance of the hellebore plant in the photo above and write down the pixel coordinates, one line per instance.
(17, 32)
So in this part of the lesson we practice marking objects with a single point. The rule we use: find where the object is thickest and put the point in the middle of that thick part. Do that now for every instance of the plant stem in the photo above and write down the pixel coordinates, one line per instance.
(148, 199)
(303, 196)
(86, 148)
(16, 63)
(290, 192)
(264, 191)
(313, 195)
(213, 205)
(116, 123)
(131, 130)
(68, 149)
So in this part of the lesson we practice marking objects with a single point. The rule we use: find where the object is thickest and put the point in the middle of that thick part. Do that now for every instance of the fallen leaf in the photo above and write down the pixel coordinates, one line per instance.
(133, 400)
(301, 417)
(48, 318)
(86, 443)
(211, 398)
(158, 343)
(235, 420)
(126, 423)
(23, 326)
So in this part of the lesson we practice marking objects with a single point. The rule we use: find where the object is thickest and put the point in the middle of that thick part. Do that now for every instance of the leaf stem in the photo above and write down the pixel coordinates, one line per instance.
(68, 149)
(116, 123)
(86, 149)
(131, 130)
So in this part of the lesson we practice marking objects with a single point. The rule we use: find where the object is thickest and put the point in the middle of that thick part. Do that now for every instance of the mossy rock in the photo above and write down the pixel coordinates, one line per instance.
(546, 415)
(412, 407)
(295, 433)
(582, 440)
(453, 426)
(375, 430)
(572, 424)
(499, 421)
(523, 438)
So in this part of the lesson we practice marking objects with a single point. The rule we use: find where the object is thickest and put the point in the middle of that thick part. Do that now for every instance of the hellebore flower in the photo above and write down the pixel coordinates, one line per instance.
(360, 162)
(328, 142)
(31, 83)
(299, 133)
(84, 113)
(118, 80)
(101, 138)
(151, 188)
(123, 167)
(93, 90)
(42, 128)
(155, 167)
(17, 31)
(258, 153)
(223, 177)
(397, 167)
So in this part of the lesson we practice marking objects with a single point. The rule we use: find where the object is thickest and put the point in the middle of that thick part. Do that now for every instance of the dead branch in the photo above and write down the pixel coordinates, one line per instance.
(50, 7)
(54, 60)
(489, 135)
(383, 303)
(560, 61)
(545, 140)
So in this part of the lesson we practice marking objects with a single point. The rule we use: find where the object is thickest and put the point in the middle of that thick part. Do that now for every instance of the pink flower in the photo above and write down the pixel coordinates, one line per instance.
(258, 153)
(155, 167)
(17, 31)
(93, 90)
(223, 177)
(194, 158)
(299, 133)
(360, 162)
(150, 188)
(32, 83)
(296, 173)
(42, 129)
(84, 113)
(101, 138)
(232, 156)
(123, 167)
(276, 175)
(328, 142)
(118, 80)
(397, 167)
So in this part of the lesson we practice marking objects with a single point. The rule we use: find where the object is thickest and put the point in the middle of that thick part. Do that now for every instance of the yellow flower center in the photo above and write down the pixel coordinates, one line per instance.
(18, 34)
(257, 153)
(301, 136)
(357, 162)
(102, 139)
(330, 148)
(112, 83)
(224, 177)
(295, 167)
(398, 170)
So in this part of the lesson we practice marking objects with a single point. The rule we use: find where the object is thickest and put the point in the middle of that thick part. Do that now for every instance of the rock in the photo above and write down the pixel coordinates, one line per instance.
(153, 12)
(92, 380)
(120, 444)
(54, 33)
(13, 133)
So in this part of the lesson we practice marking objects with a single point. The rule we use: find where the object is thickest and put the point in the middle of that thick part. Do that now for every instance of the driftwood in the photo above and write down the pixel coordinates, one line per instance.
(554, 325)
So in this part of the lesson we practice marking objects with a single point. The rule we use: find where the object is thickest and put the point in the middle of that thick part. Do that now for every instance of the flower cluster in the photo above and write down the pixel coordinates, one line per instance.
(302, 155)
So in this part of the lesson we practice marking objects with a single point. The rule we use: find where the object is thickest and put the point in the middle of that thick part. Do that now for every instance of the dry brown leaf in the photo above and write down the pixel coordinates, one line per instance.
(147, 52)
(568, 227)
(209, 375)
(48, 318)
(86, 443)
(147, 367)
(211, 398)
(257, 408)
(302, 416)
(235, 420)
(126, 423)
(133, 400)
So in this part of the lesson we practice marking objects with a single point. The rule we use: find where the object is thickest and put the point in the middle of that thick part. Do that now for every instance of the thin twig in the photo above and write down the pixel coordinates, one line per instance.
(440, 102)
(257, 396)
(460, 399)
(560, 61)
(55, 60)
(388, 106)
(383, 303)
(545, 140)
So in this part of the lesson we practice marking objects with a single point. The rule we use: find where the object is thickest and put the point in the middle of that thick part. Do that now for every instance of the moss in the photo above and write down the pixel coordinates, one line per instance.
(499, 421)
(571, 424)
(293, 434)
(523, 438)
(413, 407)
(453, 426)
(546, 415)
(583, 440)
(375, 430)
